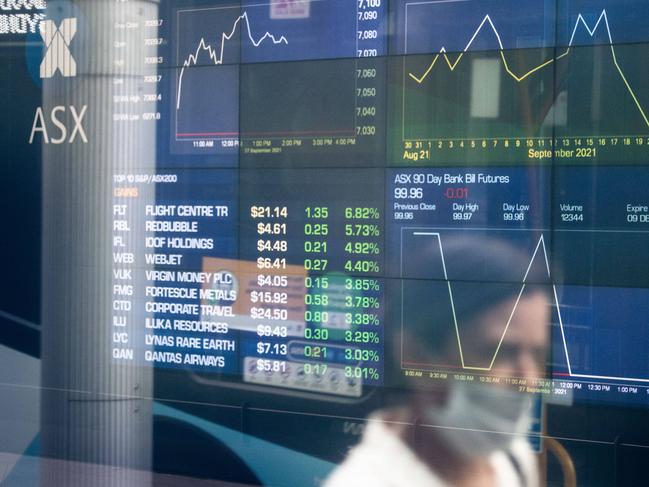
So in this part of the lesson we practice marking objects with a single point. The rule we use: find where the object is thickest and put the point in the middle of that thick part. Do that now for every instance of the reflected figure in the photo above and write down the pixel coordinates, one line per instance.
(481, 346)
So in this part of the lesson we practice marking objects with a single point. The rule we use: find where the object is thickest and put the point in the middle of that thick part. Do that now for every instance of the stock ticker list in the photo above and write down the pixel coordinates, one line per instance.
(173, 297)
(276, 291)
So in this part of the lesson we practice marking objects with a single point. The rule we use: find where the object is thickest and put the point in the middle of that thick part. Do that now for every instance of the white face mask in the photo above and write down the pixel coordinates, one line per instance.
(479, 419)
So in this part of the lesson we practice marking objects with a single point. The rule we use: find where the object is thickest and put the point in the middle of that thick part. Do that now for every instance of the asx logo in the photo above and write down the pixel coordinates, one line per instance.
(68, 122)
(57, 40)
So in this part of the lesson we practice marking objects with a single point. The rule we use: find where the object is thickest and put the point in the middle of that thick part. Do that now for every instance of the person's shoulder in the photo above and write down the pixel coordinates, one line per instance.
(365, 462)
(522, 451)
(382, 459)
(517, 465)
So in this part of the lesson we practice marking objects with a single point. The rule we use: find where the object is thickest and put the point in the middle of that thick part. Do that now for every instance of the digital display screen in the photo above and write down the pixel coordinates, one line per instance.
(315, 159)
(270, 62)
(241, 235)
(557, 83)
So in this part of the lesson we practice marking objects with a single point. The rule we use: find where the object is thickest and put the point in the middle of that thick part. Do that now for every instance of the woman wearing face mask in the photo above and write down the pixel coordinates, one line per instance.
(463, 433)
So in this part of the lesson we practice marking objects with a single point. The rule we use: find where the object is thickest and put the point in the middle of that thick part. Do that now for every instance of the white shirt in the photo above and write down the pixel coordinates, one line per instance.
(382, 459)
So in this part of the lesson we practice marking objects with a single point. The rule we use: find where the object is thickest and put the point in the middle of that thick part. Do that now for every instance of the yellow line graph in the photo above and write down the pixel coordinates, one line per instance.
(540, 247)
(519, 78)
(453, 65)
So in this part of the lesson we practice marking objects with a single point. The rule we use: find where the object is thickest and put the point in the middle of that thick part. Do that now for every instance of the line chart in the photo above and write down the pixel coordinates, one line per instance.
(243, 75)
(540, 245)
(518, 78)
(216, 55)
(510, 93)
(540, 250)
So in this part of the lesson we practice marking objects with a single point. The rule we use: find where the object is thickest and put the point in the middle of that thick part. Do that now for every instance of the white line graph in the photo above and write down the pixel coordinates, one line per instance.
(520, 77)
(216, 55)
(487, 19)
(539, 246)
